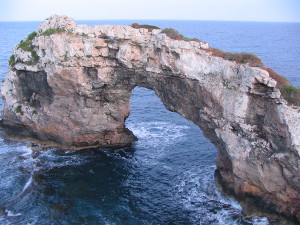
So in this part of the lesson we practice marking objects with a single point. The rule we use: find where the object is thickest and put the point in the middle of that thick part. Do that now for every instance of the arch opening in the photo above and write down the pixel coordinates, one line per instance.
(177, 161)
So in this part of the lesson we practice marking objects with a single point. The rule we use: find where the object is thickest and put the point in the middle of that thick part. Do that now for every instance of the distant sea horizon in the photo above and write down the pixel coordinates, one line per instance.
(80, 20)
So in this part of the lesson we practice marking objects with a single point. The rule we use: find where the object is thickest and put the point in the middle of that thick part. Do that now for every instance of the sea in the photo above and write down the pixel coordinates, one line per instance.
(166, 177)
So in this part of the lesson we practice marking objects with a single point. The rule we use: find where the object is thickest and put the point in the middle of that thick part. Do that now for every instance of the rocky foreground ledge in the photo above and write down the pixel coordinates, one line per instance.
(71, 84)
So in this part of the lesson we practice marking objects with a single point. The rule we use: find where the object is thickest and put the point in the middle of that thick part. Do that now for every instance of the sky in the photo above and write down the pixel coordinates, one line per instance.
(235, 10)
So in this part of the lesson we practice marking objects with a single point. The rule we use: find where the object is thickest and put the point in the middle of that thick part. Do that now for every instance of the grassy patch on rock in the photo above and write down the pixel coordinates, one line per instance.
(170, 32)
(26, 45)
(51, 31)
(31, 36)
(241, 58)
(289, 92)
(175, 35)
(12, 61)
(19, 110)
(146, 26)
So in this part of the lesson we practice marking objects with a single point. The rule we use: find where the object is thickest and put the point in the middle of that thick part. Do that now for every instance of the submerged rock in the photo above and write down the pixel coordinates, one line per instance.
(71, 84)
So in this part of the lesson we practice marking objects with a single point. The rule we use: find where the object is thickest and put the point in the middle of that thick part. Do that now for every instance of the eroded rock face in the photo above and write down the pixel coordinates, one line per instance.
(78, 92)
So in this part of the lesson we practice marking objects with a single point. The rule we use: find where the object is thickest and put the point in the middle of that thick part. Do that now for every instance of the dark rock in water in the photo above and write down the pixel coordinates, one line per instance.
(77, 94)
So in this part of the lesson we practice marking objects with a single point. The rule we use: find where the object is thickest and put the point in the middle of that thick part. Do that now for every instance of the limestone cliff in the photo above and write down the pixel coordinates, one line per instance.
(72, 83)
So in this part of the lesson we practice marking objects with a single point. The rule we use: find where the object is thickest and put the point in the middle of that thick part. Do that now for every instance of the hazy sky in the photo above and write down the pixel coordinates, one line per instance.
(242, 10)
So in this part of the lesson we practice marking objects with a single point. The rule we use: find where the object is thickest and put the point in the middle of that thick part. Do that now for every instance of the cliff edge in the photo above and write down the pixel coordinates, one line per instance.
(71, 84)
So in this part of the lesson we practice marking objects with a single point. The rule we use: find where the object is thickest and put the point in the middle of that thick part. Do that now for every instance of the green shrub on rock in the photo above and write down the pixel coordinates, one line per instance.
(290, 93)
(26, 45)
(51, 31)
(146, 26)
(241, 58)
(19, 110)
(12, 61)
(31, 36)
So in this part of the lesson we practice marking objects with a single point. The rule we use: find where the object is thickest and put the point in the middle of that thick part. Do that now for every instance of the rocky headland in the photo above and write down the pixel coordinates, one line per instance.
(71, 84)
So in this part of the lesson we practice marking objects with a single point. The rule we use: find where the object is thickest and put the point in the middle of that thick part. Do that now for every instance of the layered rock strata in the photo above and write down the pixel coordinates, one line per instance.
(73, 87)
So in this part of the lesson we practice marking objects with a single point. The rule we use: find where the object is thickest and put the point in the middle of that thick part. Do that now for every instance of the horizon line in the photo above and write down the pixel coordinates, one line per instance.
(8, 21)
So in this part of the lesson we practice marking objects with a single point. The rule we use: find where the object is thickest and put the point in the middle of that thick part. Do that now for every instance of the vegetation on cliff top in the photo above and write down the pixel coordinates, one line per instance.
(241, 58)
(289, 92)
(27, 45)
(146, 26)
(31, 36)
(51, 31)
(175, 35)
(170, 32)
(12, 61)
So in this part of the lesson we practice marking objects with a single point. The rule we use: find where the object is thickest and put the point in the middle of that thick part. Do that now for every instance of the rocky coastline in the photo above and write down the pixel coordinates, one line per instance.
(71, 84)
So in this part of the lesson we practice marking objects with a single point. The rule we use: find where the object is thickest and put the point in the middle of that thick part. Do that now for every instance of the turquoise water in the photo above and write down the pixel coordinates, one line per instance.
(167, 177)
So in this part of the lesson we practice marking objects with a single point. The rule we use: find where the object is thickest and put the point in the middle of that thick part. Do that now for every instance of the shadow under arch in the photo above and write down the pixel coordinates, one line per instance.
(157, 127)
(165, 96)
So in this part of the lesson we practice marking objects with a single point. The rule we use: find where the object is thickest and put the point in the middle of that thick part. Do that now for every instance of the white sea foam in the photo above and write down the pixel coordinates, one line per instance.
(260, 221)
(49, 159)
(16, 163)
(167, 167)
(158, 134)
(11, 214)
(197, 192)
(155, 137)
(27, 151)
(29, 182)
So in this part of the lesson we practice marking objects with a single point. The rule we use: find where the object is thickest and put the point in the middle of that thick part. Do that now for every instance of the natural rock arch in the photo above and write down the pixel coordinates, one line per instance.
(78, 93)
